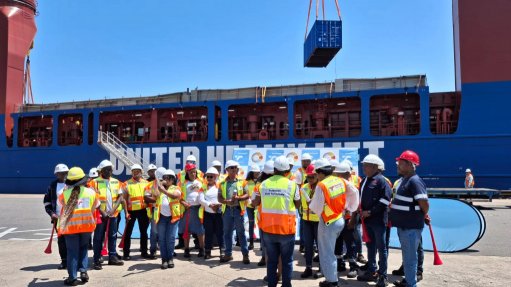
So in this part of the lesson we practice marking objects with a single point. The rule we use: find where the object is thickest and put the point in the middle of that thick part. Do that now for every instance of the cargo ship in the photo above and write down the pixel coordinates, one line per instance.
(452, 131)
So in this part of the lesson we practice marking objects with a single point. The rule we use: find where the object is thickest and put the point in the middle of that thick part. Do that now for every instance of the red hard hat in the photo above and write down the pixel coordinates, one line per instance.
(190, 166)
(310, 170)
(410, 156)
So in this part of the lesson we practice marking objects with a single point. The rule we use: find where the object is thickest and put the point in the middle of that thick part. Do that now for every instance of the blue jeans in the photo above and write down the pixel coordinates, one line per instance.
(251, 223)
(410, 239)
(166, 237)
(214, 228)
(377, 235)
(77, 247)
(232, 218)
(99, 236)
(358, 239)
(310, 233)
(279, 246)
(153, 238)
(327, 236)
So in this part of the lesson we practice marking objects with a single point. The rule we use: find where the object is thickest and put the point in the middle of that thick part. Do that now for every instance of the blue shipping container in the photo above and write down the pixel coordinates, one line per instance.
(322, 43)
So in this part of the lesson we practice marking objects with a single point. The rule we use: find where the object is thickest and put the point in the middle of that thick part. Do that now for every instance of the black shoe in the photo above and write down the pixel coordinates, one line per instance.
(101, 260)
(316, 258)
(307, 273)
(400, 283)
(118, 256)
(262, 262)
(302, 249)
(207, 254)
(318, 274)
(151, 256)
(419, 276)
(97, 266)
(361, 259)
(368, 277)
(246, 260)
(341, 266)
(201, 253)
(62, 265)
(353, 272)
(382, 281)
(146, 256)
(164, 265)
(84, 277)
(251, 246)
(399, 272)
(364, 267)
(225, 259)
(115, 261)
(170, 263)
(126, 257)
(187, 253)
(328, 284)
(71, 282)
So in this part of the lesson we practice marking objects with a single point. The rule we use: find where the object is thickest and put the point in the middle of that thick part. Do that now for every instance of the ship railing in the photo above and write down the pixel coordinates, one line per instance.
(120, 150)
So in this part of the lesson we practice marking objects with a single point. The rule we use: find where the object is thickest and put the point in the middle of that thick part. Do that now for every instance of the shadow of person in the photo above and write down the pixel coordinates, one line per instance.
(38, 268)
(241, 281)
(141, 268)
(45, 282)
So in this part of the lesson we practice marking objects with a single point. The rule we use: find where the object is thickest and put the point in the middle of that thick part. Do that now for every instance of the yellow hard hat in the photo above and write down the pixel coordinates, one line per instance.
(75, 173)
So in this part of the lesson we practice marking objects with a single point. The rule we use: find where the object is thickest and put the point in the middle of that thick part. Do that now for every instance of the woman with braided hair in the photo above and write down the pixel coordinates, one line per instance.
(76, 223)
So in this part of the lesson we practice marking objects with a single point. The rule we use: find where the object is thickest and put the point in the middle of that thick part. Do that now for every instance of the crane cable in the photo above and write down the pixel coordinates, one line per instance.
(317, 13)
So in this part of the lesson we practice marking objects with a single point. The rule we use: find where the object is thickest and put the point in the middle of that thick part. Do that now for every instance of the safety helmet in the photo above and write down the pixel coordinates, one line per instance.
(169, 172)
(342, 167)
(151, 167)
(381, 165)
(254, 168)
(306, 156)
(269, 167)
(372, 159)
(60, 168)
(93, 172)
(75, 173)
(160, 172)
(468, 170)
(212, 170)
(190, 166)
(104, 163)
(281, 163)
(291, 160)
(216, 163)
(310, 170)
(348, 163)
(191, 158)
(231, 163)
(410, 156)
(136, 166)
(322, 163)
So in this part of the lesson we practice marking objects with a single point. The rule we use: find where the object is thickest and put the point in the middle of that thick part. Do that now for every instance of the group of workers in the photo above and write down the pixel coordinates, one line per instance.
(333, 202)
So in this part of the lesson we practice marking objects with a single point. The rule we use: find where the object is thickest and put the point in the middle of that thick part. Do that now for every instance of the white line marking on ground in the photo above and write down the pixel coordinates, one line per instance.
(10, 230)
(24, 239)
(33, 230)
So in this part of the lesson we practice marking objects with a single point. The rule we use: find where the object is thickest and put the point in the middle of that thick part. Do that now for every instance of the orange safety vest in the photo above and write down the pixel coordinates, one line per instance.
(82, 220)
(334, 191)
(278, 211)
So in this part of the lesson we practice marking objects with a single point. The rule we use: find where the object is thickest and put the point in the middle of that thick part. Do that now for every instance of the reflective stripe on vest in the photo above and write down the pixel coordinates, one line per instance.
(136, 194)
(308, 214)
(100, 185)
(175, 209)
(278, 211)
(239, 191)
(82, 219)
(334, 191)
(249, 186)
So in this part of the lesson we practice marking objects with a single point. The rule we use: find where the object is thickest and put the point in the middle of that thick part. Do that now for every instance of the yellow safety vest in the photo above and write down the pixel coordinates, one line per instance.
(136, 190)
(249, 186)
(100, 185)
(175, 208)
(239, 189)
(82, 220)
(278, 211)
(307, 214)
(334, 191)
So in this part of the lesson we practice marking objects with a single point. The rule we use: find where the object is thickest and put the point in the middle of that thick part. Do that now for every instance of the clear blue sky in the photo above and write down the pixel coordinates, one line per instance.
(95, 49)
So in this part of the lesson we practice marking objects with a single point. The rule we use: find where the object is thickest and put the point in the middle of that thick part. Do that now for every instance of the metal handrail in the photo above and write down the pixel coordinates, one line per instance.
(109, 140)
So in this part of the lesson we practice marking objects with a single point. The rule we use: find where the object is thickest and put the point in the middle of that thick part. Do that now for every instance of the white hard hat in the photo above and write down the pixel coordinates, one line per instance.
(468, 170)
(160, 172)
(348, 163)
(136, 166)
(169, 172)
(281, 163)
(322, 163)
(105, 163)
(191, 158)
(151, 167)
(334, 162)
(216, 163)
(230, 163)
(60, 168)
(342, 167)
(93, 172)
(268, 167)
(306, 156)
(254, 168)
(212, 170)
(291, 160)
(372, 159)
(381, 165)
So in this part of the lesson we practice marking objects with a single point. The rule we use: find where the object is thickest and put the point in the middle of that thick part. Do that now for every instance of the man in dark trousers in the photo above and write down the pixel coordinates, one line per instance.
(375, 198)
(53, 207)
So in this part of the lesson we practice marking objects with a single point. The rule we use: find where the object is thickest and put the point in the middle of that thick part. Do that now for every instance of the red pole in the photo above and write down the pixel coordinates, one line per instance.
(104, 251)
(48, 248)
(436, 259)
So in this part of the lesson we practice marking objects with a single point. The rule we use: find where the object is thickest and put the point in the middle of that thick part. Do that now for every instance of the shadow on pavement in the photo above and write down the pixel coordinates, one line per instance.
(142, 268)
(241, 281)
(45, 282)
(38, 268)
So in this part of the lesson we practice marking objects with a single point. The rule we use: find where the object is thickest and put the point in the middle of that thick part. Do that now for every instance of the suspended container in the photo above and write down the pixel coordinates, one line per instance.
(322, 43)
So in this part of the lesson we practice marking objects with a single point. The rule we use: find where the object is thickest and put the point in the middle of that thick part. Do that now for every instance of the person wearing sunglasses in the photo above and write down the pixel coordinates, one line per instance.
(213, 224)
